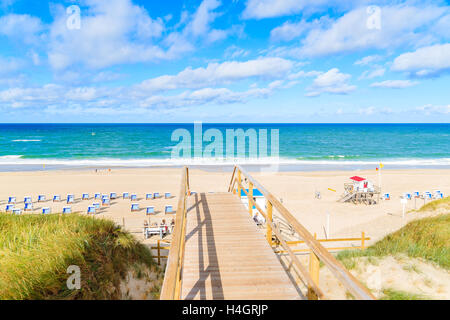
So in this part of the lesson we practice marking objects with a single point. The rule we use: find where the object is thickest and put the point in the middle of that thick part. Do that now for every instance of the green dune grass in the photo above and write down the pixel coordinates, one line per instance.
(36, 250)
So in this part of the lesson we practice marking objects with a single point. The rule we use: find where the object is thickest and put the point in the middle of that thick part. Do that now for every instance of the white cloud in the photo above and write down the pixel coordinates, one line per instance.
(216, 73)
(288, 31)
(400, 25)
(10, 64)
(332, 81)
(370, 74)
(431, 109)
(426, 61)
(394, 84)
(367, 60)
(233, 52)
(21, 27)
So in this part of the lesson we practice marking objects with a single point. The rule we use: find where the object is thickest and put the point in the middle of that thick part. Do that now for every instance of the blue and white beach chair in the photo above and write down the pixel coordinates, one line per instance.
(105, 202)
(70, 198)
(96, 205)
(41, 198)
(56, 198)
(150, 210)
(167, 195)
(113, 195)
(91, 210)
(97, 196)
(387, 196)
(12, 200)
(46, 210)
(17, 211)
(156, 195)
(125, 195)
(85, 196)
(416, 194)
(134, 207)
(407, 196)
(28, 206)
(133, 197)
(168, 209)
(9, 207)
(428, 195)
(439, 195)
(148, 196)
(27, 199)
(67, 210)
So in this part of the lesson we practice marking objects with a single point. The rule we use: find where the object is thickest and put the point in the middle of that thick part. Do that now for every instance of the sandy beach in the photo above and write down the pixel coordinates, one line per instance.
(295, 189)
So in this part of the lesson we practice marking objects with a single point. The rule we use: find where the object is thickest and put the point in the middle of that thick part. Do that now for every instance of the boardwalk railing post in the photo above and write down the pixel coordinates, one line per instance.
(362, 240)
(314, 268)
(159, 254)
(239, 182)
(269, 219)
(250, 198)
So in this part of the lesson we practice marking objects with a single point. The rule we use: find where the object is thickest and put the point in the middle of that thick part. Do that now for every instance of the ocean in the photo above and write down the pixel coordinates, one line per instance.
(301, 146)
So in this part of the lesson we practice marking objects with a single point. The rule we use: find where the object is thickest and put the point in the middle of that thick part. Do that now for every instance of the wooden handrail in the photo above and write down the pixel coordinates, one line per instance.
(336, 268)
(171, 288)
(230, 187)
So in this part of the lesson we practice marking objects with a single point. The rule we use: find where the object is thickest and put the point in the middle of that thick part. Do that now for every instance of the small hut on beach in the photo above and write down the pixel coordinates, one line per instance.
(360, 190)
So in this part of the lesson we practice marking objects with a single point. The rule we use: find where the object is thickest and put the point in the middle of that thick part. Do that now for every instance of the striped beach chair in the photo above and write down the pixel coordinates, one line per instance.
(70, 198)
(105, 202)
(41, 198)
(150, 210)
(113, 195)
(156, 195)
(148, 196)
(11, 200)
(56, 198)
(386, 196)
(17, 211)
(416, 194)
(407, 196)
(428, 195)
(168, 209)
(67, 210)
(134, 207)
(91, 210)
(46, 210)
(133, 197)
(9, 208)
(97, 196)
(28, 206)
(167, 195)
(27, 199)
(126, 195)
(96, 205)
(85, 196)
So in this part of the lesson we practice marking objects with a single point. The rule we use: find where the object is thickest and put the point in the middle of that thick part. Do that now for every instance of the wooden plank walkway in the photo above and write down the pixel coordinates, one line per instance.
(226, 256)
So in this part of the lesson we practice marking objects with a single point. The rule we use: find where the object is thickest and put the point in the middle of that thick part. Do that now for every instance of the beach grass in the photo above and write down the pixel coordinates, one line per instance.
(391, 294)
(36, 250)
(436, 204)
(427, 238)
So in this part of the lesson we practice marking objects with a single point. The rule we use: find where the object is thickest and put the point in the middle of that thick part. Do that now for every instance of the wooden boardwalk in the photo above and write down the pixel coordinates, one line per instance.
(226, 256)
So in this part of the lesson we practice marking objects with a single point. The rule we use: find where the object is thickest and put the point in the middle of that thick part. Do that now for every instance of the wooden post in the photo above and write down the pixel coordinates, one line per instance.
(159, 253)
(269, 218)
(239, 183)
(362, 240)
(123, 222)
(314, 268)
(250, 198)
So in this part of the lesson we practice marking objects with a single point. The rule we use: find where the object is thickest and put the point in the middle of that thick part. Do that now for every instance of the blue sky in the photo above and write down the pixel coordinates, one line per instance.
(224, 61)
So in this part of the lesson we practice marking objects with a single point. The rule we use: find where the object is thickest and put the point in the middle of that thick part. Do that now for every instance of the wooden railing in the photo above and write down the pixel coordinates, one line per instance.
(317, 251)
(171, 288)
(158, 249)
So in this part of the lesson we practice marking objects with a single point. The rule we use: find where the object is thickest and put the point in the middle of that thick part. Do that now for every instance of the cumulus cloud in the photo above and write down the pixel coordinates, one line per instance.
(374, 73)
(22, 27)
(426, 61)
(332, 81)
(394, 84)
(432, 109)
(288, 31)
(367, 60)
(219, 73)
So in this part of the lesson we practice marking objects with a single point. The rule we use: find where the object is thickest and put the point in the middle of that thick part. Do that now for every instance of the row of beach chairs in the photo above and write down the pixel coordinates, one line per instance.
(427, 195)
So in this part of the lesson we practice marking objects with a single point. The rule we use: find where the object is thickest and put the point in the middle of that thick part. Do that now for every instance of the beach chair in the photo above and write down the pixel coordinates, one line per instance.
(416, 194)
(134, 207)
(9, 208)
(67, 210)
(113, 195)
(27, 199)
(148, 196)
(105, 202)
(17, 211)
(46, 210)
(386, 196)
(11, 200)
(96, 205)
(105, 196)
(41, 198)
(439, 196)
(56, 198)
(125, 195)
(70, 198)
(428, 195)
(91, 210)
(150, 210)
(407, 196)
(167, 195)
(156, 195)
(97, 196)
(85, 196)
(168, 209)
(28, 207)
(133, 197)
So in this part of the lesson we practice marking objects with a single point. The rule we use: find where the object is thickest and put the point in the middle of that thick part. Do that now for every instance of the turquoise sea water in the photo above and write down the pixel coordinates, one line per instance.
(150, 144)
